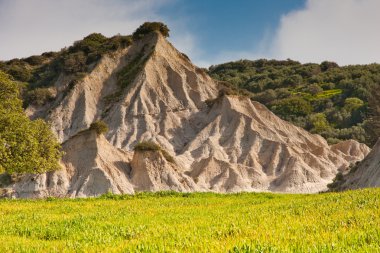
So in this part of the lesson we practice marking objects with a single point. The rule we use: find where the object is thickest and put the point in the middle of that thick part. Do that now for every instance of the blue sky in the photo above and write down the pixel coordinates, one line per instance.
(208, 31)
(222, 25)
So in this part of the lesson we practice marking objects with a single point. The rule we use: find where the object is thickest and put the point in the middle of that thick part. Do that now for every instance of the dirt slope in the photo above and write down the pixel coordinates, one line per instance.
(365, 174)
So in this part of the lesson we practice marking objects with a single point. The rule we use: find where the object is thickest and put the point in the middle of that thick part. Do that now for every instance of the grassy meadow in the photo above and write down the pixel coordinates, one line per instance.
(199, 222)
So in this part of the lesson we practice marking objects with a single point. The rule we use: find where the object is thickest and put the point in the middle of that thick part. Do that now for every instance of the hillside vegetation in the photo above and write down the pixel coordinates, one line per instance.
(40, 72)
(25, 145)
(323, 98)
(201, 222)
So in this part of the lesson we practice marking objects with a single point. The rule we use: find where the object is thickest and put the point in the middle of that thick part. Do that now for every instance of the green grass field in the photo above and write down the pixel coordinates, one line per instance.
(202, 222)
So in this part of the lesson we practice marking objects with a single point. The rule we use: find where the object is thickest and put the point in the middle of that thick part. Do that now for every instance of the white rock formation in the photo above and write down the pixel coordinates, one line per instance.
(365, 174)
(229, 144)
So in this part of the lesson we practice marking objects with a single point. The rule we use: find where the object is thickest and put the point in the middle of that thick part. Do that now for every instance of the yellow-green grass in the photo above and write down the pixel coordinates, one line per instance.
(321, 95)
(329, 93)
(201, 222)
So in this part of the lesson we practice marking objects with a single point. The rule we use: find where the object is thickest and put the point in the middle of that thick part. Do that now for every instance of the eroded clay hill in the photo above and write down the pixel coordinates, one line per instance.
(223, 143)
(364, 175)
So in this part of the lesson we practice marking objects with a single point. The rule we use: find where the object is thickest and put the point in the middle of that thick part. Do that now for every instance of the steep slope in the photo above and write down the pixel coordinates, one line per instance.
(152, 172)
(248, 142)
(223, 143)
(90, 167)
(363, 175)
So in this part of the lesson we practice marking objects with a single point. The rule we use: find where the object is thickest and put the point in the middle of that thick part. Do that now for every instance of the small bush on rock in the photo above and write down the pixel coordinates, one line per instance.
(151, 146)
(147, 146)
(100, 127)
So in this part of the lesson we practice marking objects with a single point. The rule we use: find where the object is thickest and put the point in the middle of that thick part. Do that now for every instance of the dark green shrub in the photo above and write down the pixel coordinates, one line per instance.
(39, 96)
(149, 27)
(20, 72)
(5, 179)
(147, 146)
(338, 181)
(89, 43)
(100, 127)
(292, 106)
(327, 65)
(35, 60)
(50, 54)
(75, 62)
(151, 146)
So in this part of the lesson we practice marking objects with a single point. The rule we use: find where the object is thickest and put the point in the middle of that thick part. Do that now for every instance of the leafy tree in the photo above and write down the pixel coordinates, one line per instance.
(25, 146)
(314, 89)
(292, 106)
(352, 104)
(266, 96)
(327, 65)
(319, 123)
(75, 62)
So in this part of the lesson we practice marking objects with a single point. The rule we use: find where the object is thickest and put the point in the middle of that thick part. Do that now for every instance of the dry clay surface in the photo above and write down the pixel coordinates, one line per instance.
(366, 173)
(228, 144)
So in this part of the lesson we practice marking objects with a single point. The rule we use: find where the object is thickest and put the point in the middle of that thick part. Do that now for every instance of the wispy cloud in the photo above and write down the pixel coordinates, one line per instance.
(343, 31)
(32, 27)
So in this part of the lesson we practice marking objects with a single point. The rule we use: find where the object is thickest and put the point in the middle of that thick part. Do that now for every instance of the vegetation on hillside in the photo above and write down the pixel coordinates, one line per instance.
(42, 71)
(152, 146)
(322, 98)
(100, 127)
(25, 145)
(149, 27)
(194, 222)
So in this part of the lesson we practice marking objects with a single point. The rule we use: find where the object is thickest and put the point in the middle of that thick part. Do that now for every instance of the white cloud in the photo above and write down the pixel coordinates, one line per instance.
(345, 31)
(32, 27)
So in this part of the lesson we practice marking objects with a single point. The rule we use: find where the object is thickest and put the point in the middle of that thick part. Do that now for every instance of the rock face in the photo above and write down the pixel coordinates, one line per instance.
(363, 175)
(90, 167)
(152, 172)
(220, 143)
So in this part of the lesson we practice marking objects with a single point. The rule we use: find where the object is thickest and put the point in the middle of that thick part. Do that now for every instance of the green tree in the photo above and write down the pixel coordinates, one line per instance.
(314, 89)
(25, 146)
(319, 123)
(295, 106)
(352, 104)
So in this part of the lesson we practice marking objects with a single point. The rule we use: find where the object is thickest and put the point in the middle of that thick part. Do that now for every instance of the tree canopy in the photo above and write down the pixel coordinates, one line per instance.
(149, 27)
(25, 146)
